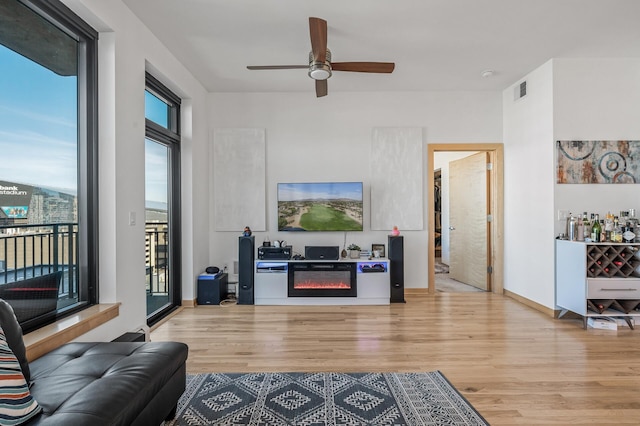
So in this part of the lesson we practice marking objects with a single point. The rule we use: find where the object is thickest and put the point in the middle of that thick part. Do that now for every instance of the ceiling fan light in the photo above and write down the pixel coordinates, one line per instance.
(320, 71)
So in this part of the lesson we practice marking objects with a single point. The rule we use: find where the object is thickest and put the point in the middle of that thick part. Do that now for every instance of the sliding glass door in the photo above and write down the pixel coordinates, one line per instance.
(162, 201)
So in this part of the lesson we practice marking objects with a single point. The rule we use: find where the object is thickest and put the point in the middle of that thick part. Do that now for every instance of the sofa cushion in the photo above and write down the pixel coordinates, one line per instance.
(106, 383)
(13, 333)
(17, 406)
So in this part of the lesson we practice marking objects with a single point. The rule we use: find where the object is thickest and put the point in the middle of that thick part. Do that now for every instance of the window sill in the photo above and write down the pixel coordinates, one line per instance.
(49, 337)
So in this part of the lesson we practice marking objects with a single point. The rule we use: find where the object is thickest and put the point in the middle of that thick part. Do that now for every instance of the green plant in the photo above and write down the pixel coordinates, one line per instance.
(353, 247)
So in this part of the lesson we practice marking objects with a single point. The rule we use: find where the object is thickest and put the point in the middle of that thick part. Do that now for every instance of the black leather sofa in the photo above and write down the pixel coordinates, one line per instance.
(104, 383)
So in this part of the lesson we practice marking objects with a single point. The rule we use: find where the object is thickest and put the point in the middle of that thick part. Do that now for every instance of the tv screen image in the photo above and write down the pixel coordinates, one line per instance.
(330, 206)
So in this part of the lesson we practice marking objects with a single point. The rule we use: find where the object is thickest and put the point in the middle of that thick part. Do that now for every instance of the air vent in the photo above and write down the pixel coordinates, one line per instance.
(520, 91)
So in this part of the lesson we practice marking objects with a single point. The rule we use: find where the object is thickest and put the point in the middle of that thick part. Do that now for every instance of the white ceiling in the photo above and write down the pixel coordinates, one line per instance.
(435, 44)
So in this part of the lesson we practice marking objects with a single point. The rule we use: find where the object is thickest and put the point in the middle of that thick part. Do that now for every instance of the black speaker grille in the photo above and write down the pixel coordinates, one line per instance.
(396, 268)
(246, 257)
(322, 252)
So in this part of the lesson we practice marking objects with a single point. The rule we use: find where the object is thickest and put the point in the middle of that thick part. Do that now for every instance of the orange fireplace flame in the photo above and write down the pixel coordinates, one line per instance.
(317, 285)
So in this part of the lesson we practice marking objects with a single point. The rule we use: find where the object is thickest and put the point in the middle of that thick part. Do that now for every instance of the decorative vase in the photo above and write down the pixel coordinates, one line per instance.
(354, 254)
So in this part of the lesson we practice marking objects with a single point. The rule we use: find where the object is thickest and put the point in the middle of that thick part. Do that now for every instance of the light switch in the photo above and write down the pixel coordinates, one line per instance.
(132, 218)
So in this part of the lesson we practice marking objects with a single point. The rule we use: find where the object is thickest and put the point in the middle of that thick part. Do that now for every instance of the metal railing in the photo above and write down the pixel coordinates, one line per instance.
(32, 250)
(28, 251)
(156, 258)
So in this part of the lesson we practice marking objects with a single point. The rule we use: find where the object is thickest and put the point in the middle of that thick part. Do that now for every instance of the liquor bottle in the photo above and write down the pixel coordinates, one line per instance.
(609, 221)
(572, 228)
(616, 233)
(580, 230)
(628, 236)
(602, 235)
(608, 226)
(596, 229)
(586, 227)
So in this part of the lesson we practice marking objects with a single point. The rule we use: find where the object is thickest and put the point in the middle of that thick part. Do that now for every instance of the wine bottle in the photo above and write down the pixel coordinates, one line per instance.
(596, 230)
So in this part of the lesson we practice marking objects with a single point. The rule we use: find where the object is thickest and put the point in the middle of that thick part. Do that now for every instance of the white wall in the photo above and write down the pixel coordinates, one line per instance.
(329, 139)
(126, 50)
(528, 188)
(568, 99)
(596, 99)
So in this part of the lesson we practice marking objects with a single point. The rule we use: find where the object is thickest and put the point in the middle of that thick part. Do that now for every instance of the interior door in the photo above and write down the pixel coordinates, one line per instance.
(468, 225)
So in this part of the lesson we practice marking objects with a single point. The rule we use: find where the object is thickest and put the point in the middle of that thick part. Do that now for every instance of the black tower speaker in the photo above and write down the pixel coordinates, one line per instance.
(396, 268)
(246, 256)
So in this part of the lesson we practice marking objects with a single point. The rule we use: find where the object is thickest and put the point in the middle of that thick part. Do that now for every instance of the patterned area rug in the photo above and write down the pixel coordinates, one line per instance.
(275, 399)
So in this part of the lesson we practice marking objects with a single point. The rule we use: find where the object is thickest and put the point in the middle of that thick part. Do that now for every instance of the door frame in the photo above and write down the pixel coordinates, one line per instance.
(496, 204)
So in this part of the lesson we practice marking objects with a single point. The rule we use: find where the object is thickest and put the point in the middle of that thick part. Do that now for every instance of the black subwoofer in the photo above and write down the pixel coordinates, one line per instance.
(246, 257)
(396, 268)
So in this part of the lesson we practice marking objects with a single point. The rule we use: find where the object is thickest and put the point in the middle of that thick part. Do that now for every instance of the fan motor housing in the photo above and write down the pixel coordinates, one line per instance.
(320, 70)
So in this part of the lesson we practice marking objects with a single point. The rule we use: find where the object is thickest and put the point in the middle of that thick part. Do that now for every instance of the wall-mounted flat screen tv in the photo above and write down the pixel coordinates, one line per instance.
(330, 206)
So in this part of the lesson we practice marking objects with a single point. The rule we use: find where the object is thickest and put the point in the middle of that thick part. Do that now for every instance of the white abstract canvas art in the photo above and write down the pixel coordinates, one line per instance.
(238, 160)
(396, 178)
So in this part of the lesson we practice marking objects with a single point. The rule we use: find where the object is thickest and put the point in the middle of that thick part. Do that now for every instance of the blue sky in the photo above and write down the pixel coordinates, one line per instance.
(38, 129)
(321, 190)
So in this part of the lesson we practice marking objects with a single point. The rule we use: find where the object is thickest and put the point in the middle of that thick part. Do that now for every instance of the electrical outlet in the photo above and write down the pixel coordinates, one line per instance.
(563, 214)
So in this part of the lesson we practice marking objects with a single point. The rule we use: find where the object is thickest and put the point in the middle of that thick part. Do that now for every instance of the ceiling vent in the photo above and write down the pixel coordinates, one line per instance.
(520, 90)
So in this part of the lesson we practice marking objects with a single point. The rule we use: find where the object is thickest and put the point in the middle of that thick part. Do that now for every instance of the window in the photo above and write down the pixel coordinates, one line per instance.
(162, 199)
(48, 180)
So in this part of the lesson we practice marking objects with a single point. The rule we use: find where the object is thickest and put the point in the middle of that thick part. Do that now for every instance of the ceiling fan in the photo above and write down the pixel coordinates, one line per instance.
(320, 66)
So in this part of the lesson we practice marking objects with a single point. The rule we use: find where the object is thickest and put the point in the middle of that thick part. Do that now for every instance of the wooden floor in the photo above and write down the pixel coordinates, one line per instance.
(515, 365)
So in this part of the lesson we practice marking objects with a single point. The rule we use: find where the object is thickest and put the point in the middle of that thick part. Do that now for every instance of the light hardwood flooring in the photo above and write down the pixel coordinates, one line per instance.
(515, 365)
(449, 285)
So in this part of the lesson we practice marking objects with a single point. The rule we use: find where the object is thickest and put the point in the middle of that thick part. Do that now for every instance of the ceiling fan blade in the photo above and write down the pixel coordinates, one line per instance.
(321, 88)
(378, 67)
(277, 67)
(318, 32)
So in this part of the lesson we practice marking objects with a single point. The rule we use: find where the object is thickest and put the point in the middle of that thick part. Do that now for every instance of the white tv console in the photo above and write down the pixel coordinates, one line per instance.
(271, 284)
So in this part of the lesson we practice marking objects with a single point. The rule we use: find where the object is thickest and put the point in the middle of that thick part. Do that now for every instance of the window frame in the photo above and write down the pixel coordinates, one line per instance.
(170, 137)
(75, 27)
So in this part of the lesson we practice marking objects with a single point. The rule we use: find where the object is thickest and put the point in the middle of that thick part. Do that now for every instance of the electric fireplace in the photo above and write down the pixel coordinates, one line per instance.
(322, 279)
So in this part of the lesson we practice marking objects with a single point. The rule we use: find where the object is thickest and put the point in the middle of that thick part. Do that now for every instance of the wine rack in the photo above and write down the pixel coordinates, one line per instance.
(609, 261)
(596, 280)
(625, 306)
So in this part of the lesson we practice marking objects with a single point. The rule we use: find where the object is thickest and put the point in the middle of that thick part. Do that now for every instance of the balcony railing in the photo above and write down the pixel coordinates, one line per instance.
(28, 251)
(156, 259)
